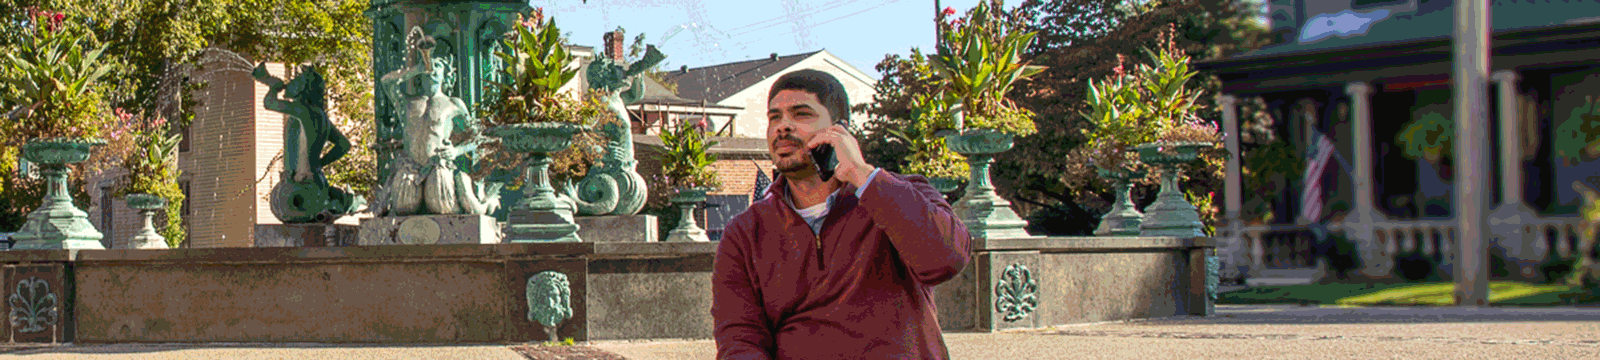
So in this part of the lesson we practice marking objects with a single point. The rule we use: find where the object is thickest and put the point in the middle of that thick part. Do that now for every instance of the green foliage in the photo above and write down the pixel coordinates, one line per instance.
(1079, 40)
(153, 169)
(686, 159)
(1406, 294)
(564, 342)
(155, 49)
(1428, 137)
(929, 155)
(1210, 214)
(1151, 103)
(535, 70)
(892, 109)
(981, 58)
(1585, 266)
(1580, 130)
(52, 81)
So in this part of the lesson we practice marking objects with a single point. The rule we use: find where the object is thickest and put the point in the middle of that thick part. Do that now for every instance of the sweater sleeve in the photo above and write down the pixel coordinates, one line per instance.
(932, 241)
(741, 329)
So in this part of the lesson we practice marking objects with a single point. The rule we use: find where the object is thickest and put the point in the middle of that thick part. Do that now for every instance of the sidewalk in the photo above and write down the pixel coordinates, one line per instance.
(1237, 332)
(1268, 332)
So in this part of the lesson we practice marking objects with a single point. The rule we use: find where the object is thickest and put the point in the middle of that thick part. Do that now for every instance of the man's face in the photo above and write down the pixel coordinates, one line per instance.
(793, 117)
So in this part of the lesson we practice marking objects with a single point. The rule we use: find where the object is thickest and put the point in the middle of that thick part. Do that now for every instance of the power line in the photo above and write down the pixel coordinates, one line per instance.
(828, 21)
(793, 17)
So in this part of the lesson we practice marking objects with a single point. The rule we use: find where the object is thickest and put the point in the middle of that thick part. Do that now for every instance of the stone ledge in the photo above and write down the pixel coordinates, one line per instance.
(655, 248)
(347, 253)
(41, 255)
(1091, 244)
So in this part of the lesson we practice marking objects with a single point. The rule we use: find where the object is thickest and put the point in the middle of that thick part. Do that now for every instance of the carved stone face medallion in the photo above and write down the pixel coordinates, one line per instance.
(419, 231)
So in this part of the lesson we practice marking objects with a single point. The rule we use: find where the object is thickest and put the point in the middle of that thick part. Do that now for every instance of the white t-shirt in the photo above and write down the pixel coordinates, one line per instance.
(816, 213)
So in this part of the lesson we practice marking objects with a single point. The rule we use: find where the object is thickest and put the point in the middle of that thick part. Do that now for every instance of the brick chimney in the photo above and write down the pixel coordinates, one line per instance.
(614, 45)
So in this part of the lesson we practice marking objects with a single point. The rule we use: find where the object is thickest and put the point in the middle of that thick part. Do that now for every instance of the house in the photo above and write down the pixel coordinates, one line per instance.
(1375, 77)
(732, 98)
(744, 85)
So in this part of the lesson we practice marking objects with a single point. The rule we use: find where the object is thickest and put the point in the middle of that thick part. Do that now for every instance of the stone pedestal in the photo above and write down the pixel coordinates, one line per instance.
(299, 235)
(618, 228)
(429, 230)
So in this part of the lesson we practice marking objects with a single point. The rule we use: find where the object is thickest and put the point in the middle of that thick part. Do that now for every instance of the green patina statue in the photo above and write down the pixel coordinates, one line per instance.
(615, 187)
(439, 143)
(549, 300)
(303, 194)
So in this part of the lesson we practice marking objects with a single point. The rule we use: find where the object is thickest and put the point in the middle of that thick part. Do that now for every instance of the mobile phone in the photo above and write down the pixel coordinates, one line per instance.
(822, 156)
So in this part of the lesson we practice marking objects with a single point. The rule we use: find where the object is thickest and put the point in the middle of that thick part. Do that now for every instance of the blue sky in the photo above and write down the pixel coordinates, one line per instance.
(707, 32)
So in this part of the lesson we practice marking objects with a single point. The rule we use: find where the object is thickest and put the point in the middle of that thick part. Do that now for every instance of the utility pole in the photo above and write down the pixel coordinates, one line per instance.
(1471, 78)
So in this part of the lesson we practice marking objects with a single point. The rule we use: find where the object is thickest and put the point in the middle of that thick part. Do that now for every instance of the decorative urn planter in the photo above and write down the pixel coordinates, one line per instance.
(541, 216)
(945, 184)
(57, 224)
(1171, 215)
(1124, 218)
(986, 214)
(686, 198)
(147, 205)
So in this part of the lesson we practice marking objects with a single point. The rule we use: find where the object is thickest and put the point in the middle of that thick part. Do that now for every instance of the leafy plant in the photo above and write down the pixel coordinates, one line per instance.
(153, 169)
(52, 78)
(981, 57)
(1151, 103)
(535, 69)
(1209, 213)
(1580, 130)
(1585, 267)
(685, 158)
(1429, 137)
(929, 156)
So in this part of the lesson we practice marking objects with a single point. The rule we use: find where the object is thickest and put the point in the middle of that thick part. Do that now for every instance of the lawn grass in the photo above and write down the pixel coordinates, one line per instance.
(1414, 294)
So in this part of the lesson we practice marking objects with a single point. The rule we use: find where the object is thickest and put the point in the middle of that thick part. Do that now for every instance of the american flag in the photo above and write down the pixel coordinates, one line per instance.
(1311, 195)
(762, 182)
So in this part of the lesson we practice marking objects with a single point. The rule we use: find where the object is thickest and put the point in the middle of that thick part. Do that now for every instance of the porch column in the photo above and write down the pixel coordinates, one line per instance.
(1471, 47)
(1508, 220)
(1360, 230)
(1231, 192)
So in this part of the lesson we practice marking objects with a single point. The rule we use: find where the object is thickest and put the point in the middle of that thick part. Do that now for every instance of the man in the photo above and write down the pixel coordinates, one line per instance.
(837, 269)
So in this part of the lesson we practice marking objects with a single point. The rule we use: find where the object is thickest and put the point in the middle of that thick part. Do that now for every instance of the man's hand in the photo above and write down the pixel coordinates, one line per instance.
(853, 169)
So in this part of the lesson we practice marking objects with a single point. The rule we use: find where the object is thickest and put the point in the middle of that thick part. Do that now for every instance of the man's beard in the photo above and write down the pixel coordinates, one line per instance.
(800, 161)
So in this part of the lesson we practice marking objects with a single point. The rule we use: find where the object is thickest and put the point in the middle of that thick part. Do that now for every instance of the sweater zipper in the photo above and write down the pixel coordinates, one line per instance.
(819, 252)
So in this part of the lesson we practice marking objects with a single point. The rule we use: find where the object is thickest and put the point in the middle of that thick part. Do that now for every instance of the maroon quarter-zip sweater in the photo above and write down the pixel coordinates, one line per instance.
(862, 289)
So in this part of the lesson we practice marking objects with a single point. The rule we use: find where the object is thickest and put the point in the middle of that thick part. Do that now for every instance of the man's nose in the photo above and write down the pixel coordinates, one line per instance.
(785, 124)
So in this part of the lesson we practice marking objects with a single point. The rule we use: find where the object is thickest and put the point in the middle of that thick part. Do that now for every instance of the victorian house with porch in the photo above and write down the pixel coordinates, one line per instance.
(1374, 76)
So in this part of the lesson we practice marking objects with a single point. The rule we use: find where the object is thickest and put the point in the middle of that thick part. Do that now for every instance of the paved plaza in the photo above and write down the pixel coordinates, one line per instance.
(1237, 332)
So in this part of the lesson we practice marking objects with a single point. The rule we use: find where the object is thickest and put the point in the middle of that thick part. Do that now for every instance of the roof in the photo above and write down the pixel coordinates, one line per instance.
(655, 93)
(1430, 21)
(717, 82)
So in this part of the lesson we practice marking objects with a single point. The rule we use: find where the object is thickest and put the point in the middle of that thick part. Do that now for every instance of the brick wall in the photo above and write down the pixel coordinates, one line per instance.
(736, 170)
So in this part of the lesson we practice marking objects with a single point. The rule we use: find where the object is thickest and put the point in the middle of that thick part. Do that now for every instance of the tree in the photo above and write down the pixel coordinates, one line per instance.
(892, 108)
(157, 46)
(1081, 40)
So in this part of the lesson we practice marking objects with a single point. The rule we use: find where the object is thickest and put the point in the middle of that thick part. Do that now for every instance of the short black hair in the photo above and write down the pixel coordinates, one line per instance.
(827, 89)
